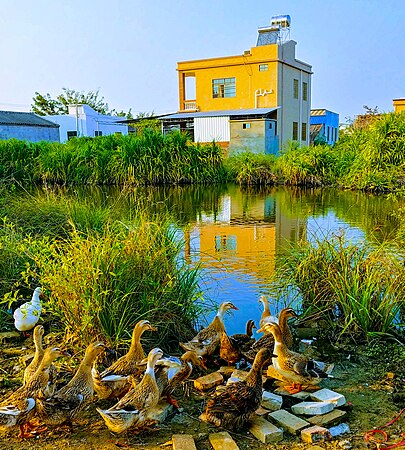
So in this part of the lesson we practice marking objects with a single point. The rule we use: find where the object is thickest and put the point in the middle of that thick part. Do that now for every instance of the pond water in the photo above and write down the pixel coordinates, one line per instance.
(238, 235)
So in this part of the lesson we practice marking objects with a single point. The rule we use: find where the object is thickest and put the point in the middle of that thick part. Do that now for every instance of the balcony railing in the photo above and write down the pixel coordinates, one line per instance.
(190, 105)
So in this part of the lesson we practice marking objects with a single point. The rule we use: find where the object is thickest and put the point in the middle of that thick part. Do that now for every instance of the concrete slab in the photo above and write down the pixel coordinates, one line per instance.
(208, 381)
(327, 395)
(183, 442)
(288, 421)
(222, 441)
(265, 431)
(271, 401)
(312, 408)
(315, 434)
(326, 420)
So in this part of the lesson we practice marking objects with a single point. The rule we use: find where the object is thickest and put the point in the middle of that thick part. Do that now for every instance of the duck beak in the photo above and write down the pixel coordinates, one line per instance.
(66, 354)
(234, 307)
(152, 328)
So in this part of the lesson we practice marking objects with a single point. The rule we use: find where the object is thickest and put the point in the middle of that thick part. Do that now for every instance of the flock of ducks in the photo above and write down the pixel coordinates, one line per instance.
(137, 384)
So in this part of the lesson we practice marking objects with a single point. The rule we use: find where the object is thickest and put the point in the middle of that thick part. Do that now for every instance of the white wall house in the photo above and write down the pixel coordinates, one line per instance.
(82, 120)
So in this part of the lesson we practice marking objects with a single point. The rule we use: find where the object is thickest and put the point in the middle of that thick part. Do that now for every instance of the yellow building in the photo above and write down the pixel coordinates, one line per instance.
(259, 99)
(399, 104)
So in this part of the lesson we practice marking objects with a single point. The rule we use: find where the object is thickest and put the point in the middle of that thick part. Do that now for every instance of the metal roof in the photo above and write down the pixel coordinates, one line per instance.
(318, 112)
(229, 112)
(24, 118)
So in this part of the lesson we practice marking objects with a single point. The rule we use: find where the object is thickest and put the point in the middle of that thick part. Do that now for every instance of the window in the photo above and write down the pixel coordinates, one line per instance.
(270, 125)
(304, 131)
(295, 88)
(223, 87)
(263, 67)
(295, 131)
(245, 126)
(304, 91)
(71, 134)
(98, 133)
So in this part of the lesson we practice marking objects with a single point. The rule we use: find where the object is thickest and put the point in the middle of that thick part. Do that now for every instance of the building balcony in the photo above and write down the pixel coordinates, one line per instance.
(190, 105)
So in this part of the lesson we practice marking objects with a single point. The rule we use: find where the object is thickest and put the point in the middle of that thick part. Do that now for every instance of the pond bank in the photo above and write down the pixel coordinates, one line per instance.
(362, 377)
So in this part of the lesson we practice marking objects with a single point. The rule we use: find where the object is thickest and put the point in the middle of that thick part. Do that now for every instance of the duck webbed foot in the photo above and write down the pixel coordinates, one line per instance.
(294, 388)
(172, 401)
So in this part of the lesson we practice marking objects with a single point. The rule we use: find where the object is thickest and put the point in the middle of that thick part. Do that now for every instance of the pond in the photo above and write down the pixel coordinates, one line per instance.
(238, 235)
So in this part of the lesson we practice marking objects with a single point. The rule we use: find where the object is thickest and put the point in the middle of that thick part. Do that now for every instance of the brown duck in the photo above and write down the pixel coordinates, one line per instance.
(114, 381)
(19, 407)
(208, 339)
(236, 405)
(132, 408)
(294, 367)
(66, 403)
(267, 341)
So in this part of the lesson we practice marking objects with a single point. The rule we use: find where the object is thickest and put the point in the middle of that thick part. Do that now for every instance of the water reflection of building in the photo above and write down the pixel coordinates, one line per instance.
(245, 235)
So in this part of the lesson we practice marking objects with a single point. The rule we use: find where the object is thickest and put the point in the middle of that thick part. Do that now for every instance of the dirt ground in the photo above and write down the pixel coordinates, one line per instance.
(366, 382)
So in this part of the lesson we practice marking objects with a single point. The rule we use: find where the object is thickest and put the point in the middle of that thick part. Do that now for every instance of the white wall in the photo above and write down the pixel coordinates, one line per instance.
(86, 121)
(208, 129)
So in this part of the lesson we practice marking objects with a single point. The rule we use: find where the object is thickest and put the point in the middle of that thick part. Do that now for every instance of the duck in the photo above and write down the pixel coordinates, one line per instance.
(67, 402)
(243, 340)
(236, 405)
(132, 408)
(39, 353)
(268, 340)
(115, 380)
(266, 314)
(294, 367)
(19, 407)
(208, 339)
(177, 377)
(231, 347)
(36, 361)
(27, 315)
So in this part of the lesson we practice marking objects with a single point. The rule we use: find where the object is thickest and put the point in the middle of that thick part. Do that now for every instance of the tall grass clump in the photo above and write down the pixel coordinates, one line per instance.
(356, 288)
(248, 168)
(380, 161)
(100, 284)
(308, 166)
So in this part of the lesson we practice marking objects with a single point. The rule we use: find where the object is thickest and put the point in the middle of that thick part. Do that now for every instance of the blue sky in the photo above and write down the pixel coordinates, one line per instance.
(129, 49)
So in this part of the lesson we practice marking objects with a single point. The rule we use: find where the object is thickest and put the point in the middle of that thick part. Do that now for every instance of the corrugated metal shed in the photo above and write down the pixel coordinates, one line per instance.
(24, 118)
(229, 113)
(208, 129)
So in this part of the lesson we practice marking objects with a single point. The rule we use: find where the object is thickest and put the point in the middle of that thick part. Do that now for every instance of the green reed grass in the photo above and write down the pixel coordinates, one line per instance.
(148, 158)
(100, 284)
(356, 288)
(248, 168)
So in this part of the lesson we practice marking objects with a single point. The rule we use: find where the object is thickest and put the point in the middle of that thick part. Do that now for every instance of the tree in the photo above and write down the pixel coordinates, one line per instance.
(44, 105)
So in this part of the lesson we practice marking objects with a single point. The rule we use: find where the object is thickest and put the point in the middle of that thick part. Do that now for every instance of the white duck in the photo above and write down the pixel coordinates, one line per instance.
(27, 315)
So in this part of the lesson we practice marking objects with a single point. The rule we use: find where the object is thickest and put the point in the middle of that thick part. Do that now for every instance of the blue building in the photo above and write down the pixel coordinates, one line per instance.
(324, 126)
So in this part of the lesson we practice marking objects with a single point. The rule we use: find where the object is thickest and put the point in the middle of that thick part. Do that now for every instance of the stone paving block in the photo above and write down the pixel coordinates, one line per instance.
(326, 420)
(183, 442)
(226, 371)
(208, 381)
(339, 429)
(271, 401)
(222, 441)
(261, 411)
(288, 421)
(302, 395)
(315, 434)
(265, 431)
(237, 375)
(312, 408)
(327, 395)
